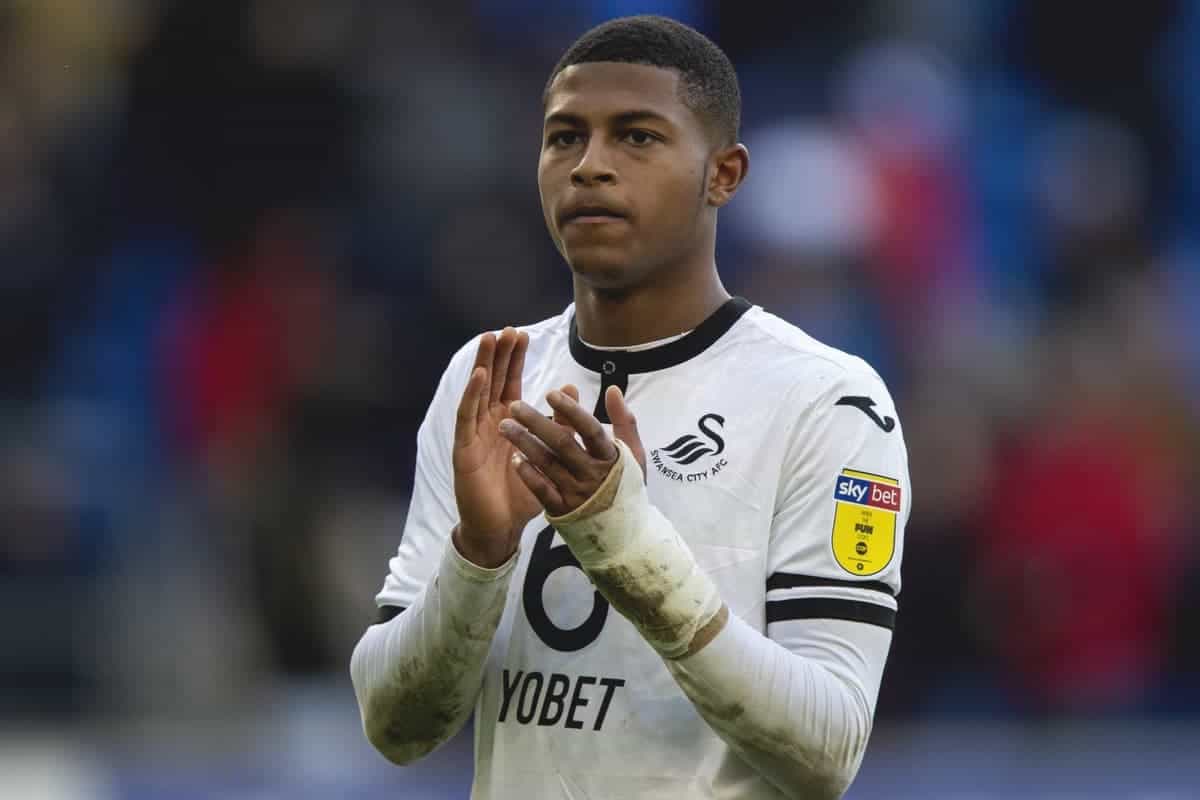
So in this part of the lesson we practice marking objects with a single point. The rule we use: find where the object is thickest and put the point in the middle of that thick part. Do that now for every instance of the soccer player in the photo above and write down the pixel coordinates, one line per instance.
(695, 603)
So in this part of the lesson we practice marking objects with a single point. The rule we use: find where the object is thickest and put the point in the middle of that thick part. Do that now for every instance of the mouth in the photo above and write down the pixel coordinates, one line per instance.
(590, 215)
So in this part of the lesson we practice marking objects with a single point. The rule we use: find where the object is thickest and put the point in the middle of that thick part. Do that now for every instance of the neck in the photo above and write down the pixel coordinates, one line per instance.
(628, 317)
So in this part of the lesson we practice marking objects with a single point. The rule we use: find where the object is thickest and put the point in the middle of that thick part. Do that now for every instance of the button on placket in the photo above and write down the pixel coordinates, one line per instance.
(612, 373)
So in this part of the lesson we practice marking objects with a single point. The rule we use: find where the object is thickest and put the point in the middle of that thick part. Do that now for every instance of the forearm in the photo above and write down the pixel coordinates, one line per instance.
(638, 561)
(416, 677)
(800, 720)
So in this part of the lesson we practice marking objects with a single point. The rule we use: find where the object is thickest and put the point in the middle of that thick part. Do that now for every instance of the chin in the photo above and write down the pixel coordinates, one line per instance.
(602, 272)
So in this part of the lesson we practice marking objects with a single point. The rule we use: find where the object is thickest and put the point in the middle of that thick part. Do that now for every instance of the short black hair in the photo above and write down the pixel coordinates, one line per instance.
(707, 79)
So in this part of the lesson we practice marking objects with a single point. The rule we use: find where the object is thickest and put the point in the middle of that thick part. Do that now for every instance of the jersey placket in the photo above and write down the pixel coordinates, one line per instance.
(615, 366)
(613, 372)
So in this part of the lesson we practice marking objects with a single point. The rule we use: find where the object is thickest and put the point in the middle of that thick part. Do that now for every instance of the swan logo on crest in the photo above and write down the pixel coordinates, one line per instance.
(687, 449)
(684, 452)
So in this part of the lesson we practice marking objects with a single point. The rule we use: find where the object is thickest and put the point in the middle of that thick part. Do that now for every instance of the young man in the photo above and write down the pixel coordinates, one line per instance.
(698, 603)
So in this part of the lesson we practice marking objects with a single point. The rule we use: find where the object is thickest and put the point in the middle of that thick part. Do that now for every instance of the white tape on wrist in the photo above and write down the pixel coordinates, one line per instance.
(638, 561)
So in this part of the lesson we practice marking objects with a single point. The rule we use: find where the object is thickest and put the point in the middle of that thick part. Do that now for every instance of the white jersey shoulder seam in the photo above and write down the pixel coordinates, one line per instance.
(812, 348)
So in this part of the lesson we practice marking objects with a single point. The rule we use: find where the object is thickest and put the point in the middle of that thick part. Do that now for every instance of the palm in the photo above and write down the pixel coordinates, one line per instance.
(493, 503)
(484, 470)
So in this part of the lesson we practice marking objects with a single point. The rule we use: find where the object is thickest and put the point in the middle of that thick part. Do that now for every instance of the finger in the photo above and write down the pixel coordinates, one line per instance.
(516, 365)
(559, 439)
(536, 452)
(504, 350)
(624, 423)
(570, 391)
(537, 483)
(467, 419)
(483, 358)
(595, 439)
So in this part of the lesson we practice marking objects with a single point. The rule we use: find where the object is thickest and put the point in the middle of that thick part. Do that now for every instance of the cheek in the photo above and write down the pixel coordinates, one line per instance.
(546, 195)
(547, 173)
(679, 200)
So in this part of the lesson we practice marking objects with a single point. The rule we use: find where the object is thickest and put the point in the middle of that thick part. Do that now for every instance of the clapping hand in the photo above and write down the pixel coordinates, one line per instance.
(560, 470)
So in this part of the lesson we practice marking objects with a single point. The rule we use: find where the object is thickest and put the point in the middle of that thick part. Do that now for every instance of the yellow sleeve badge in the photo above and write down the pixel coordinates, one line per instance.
(864, 521)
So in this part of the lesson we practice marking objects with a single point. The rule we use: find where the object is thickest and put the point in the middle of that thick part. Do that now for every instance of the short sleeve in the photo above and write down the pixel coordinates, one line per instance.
(837, 533)
(432, 512)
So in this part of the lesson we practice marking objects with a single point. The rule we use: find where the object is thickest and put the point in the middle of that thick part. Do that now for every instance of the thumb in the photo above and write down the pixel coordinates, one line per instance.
(625, 424)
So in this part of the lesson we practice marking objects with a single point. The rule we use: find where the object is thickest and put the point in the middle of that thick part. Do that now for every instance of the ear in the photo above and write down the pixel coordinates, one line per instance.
(729, 167)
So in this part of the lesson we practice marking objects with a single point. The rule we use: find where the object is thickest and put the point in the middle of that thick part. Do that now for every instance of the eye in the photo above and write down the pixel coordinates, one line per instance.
(562, 138)
(640, 138)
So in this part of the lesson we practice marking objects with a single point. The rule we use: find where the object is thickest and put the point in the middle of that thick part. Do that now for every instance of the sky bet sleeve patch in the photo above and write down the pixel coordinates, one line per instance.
(864, 521)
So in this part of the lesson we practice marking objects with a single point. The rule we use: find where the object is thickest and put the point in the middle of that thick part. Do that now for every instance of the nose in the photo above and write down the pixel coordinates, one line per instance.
(593, 167)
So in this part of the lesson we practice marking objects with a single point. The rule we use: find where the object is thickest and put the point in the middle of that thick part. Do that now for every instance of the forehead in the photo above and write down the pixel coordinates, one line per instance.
(604, 88)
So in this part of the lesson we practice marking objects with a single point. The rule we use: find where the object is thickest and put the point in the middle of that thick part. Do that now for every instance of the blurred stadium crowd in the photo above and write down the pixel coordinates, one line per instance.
(239, 240)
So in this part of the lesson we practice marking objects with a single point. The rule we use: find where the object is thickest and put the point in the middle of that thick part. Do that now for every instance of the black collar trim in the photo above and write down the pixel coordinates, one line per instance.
(606, 362)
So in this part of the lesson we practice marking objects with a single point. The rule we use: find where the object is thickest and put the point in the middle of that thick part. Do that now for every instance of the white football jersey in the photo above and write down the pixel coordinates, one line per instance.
(778, 459)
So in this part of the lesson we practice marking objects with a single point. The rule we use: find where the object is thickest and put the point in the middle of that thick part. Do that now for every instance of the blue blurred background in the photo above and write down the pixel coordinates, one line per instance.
(239, 240)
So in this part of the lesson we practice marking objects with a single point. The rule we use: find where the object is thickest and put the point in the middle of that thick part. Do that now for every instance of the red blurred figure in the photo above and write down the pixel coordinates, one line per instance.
(246, 339)
(1078, 561)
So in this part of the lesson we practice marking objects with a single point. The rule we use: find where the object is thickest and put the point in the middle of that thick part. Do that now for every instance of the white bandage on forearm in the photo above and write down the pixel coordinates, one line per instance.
(638, 561)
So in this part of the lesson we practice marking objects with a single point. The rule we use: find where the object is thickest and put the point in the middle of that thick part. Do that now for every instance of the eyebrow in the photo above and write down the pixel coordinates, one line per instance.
(624, 118)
